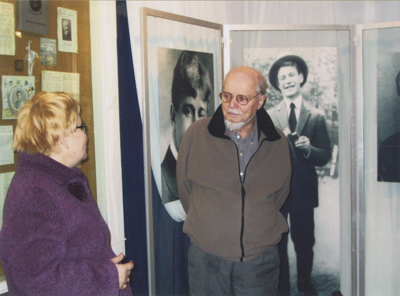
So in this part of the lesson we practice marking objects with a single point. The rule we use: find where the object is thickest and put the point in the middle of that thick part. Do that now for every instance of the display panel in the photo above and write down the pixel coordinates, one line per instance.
(178, 51)
(21, 69)
(324, 82)
(381, 65)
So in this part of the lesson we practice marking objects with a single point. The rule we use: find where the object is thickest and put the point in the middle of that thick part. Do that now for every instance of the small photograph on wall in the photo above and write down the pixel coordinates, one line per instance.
(186, 94)
(303, 103)
(388, 119)
(67, 30)
(48, 52)
(16, 90)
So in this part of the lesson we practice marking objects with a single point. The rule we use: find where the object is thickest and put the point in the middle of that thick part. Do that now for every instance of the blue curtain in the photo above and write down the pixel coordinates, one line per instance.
(132, 158)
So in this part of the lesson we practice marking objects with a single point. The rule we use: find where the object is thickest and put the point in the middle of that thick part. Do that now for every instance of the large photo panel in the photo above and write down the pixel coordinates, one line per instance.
(309, 76)
(183, 70)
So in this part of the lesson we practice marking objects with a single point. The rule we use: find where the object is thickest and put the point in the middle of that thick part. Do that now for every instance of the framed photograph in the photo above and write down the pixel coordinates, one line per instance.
(19, 65)
(379, 145)
(310, 67)
(48, 52)
(178, 50)
(33, 16)
(16, 90)
(67, 30)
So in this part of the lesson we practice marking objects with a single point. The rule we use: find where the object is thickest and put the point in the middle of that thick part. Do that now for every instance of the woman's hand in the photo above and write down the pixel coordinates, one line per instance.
(124, 270)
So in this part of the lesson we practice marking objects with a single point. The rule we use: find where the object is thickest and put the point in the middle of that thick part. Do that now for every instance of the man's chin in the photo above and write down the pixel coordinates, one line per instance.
(233, 126)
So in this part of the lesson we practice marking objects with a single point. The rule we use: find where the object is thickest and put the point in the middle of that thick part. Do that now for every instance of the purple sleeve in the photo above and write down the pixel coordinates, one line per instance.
(37, 254)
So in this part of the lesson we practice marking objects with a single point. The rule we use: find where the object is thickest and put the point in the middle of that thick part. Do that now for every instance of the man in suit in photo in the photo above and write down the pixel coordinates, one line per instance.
(389, 153)
(18, 101)
(306, 130)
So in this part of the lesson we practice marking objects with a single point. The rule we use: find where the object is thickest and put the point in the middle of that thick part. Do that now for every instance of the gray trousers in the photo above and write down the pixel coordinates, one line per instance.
(211, 275)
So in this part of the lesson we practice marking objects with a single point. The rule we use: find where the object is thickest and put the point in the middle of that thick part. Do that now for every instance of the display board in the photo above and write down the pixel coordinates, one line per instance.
(24, 56)
(321, 56)
(177, 50)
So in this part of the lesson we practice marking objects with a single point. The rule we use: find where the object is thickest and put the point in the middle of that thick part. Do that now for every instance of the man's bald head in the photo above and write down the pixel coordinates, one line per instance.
(259, 80)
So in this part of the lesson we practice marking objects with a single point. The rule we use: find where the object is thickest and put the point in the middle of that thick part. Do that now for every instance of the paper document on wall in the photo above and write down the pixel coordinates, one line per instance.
(6, 139)
(53, 81)
(67, 30)
(7, 37)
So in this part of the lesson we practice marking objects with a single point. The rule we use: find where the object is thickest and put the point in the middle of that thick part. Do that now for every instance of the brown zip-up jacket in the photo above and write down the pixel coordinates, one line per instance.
(226, 217)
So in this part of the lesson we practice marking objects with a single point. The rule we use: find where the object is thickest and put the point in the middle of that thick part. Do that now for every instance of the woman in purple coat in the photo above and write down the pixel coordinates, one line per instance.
(54, 240)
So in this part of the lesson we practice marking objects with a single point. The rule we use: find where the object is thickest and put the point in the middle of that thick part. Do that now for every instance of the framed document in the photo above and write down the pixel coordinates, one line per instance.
(33, 16)
(67, 30)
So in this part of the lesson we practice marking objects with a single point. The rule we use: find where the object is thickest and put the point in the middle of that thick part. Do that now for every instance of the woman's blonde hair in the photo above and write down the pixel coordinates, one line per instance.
(43, 120)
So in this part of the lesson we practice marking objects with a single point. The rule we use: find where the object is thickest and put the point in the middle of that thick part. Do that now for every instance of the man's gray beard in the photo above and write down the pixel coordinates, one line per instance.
(233, 126)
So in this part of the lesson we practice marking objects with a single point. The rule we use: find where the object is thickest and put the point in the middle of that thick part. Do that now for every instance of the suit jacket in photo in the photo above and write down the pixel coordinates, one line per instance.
(389, 159)
(312, 124)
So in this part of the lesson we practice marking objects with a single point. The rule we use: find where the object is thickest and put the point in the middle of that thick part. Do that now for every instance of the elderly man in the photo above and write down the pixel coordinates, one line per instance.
(66, 30)
(308, 136)
(233, 175)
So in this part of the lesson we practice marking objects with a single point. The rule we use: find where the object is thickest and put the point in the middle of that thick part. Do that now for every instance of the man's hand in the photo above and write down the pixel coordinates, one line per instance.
(303, 143)
(124, 270)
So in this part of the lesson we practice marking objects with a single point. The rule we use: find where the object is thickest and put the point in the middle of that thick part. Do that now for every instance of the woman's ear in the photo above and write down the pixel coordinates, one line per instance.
(63, 141)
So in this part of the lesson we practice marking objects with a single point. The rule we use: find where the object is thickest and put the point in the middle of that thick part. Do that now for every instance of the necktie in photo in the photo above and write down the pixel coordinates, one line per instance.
(292, 118)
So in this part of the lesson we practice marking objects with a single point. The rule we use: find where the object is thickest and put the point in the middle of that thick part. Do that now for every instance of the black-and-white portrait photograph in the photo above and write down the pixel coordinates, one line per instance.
(66, 29)
(186, 94)
(388, 120)
(303, 103)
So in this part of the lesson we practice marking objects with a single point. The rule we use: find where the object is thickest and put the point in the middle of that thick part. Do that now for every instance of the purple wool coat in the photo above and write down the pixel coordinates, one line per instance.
(54, 240)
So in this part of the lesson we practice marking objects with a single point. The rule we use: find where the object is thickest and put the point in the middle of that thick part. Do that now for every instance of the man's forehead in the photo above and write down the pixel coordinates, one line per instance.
(200, 100)
(289, 68)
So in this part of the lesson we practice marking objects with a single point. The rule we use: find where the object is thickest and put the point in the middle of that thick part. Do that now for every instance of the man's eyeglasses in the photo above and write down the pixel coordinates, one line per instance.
(241, 99)
(83, 127)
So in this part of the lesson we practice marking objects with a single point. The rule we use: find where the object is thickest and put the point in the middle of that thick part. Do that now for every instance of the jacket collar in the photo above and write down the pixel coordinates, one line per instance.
(216, 127)
(48, 166)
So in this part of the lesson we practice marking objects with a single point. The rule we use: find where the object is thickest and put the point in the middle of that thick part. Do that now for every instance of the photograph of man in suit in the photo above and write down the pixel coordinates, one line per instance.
(190, 93)
(18, 101)
(389, 152)
(306, 129)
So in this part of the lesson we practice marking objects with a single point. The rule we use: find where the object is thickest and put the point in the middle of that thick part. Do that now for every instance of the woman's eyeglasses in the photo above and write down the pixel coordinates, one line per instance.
(83, 127)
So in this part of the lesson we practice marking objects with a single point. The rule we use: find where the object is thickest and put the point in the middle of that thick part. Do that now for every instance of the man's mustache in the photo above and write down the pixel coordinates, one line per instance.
(234, 111)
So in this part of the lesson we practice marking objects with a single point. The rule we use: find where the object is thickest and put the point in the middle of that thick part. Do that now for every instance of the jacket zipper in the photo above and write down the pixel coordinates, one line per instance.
(242, 227)
(243, 199)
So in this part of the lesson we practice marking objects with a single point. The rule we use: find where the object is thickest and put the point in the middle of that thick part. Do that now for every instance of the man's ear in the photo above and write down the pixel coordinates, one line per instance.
(262, 101)
(172, 114)
(301, 78)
